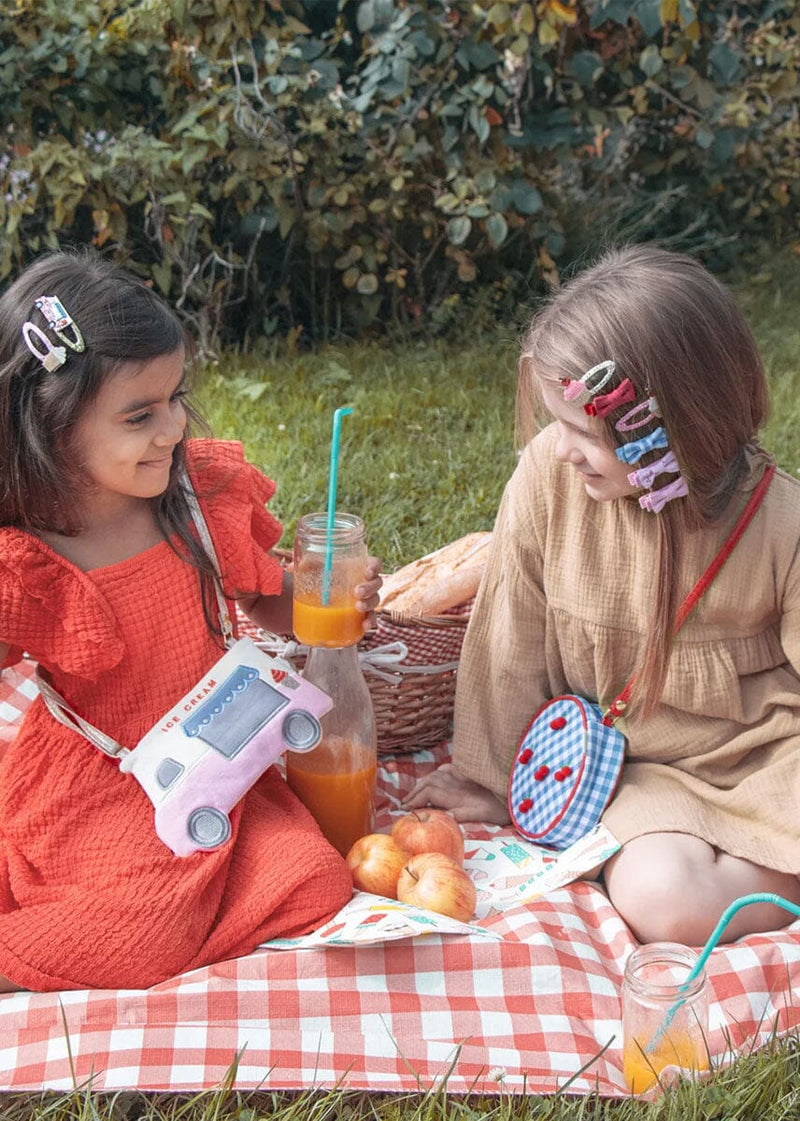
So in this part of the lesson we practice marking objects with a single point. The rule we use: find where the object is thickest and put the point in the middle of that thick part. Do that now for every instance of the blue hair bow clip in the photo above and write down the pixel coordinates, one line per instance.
(633, 452)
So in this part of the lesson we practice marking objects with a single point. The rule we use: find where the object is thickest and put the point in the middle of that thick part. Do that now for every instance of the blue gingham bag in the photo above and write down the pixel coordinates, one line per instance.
(565, 771)
(570, 757)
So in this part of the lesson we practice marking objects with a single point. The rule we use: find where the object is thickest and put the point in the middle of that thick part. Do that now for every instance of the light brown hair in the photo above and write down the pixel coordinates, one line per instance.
(676, 333)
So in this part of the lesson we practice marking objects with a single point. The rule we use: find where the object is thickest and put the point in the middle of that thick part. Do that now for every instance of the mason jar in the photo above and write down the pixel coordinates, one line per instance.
(326, 574)
(664, 1016)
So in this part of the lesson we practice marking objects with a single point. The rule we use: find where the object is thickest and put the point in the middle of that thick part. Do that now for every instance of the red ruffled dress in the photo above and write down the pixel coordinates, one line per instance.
(89, 896)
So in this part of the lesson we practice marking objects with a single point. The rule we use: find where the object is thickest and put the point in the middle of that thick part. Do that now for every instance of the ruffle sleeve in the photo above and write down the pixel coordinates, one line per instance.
(233, 496)
(53, 611)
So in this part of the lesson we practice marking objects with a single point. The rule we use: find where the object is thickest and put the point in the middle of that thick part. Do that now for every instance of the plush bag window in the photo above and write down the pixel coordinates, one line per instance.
(203, 755)
(569, 760)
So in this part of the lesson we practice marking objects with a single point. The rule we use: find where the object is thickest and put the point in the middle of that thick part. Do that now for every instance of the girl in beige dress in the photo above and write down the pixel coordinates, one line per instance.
(655, 392)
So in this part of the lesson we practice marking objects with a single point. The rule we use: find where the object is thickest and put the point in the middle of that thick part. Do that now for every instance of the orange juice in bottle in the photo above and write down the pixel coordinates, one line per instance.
(341, 798)
(326, 573)
(336, 780)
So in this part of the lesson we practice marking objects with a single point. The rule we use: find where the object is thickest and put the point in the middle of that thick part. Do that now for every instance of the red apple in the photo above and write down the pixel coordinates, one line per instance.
(436, 882)
(430, 831)
(375, 862)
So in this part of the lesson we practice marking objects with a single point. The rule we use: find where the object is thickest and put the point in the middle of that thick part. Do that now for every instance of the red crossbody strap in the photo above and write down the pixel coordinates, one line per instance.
(620, 703)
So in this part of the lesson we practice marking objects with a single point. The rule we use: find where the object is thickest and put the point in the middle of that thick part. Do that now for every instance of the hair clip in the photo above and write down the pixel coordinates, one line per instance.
(657, 499)
(52, 357)
(607, 402)
(62, 325)
(580, 391)
(645, 475)
(648, 407)
(59, 321)
(633, 452)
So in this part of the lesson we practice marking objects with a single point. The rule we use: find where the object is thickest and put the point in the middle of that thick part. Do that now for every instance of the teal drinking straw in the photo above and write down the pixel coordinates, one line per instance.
(333, 475)
(716, 934)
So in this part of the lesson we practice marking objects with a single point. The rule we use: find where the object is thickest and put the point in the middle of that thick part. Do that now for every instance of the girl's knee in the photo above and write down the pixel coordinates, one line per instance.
(658, 890)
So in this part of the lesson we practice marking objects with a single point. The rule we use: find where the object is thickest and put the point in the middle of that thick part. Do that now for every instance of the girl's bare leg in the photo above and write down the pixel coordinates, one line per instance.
(7, 986)
(674, 887)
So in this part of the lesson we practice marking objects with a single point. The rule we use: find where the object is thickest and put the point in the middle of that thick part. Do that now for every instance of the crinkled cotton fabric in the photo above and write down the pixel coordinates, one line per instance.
(89, 896)
(564, 607)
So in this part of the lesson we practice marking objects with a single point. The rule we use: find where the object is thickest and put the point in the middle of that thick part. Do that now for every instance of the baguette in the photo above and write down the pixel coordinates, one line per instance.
(443, 579)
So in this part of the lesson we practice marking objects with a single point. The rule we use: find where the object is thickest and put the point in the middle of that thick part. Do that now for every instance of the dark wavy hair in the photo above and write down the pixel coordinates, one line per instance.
(122, 320)
(676, 333)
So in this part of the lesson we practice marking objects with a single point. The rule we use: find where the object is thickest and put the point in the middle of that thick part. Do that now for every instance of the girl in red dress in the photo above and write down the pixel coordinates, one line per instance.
(104, 583)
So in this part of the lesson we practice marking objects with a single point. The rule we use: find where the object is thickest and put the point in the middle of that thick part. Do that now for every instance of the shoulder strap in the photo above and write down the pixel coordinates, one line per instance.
(66, 715)
(205, 536)
(618, 706)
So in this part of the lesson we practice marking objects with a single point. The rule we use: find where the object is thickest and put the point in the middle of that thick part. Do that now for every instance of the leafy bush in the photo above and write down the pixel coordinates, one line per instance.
(310, 168)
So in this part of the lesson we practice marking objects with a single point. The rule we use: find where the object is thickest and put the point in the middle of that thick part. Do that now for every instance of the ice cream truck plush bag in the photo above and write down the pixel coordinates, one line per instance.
(209, 749)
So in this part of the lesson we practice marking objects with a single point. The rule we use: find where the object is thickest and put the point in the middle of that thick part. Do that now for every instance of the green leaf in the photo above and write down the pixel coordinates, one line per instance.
(704, 136)
(367, 284)
(727, 64)
(497, 229)
(585, 67)
(458, 230)
(479, 56)
(249, 390)
(499, 15)
(521, 195)
(617, 11)
(162, 275)
(650, 60)
(365, 17)
(648, 13)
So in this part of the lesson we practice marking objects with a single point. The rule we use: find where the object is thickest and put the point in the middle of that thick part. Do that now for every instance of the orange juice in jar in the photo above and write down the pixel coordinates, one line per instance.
(644, 1061)
(326, 574)
(664, 1016)
(336, 779)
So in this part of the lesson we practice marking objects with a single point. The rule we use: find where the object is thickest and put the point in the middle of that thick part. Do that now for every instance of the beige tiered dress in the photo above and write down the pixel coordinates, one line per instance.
(564, 606)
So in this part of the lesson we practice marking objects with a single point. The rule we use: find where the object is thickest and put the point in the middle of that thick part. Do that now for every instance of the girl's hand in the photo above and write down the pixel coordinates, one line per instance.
(466, 800)
(367, 597)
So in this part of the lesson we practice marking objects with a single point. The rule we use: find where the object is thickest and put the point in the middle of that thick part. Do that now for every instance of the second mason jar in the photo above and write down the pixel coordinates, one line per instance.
(664, 1015)
(327, 570)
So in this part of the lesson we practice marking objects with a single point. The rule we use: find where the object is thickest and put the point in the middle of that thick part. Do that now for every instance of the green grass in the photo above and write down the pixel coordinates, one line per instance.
(424, 455)
(429, 446)
(424, 459)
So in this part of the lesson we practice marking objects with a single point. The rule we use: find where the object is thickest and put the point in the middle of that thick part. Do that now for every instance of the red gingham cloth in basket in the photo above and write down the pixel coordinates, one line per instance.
(524, 1014)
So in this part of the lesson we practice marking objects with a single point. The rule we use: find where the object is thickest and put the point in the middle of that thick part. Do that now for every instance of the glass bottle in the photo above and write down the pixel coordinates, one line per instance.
(664, 1019)
(336, 780)
(324, 602)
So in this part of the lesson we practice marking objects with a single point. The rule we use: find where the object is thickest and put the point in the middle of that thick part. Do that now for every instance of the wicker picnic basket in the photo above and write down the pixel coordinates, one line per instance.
(413, 696)
(410, 665)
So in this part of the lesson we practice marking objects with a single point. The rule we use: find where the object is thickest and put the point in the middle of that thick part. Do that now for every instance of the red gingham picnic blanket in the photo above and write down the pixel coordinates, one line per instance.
(532, 1012)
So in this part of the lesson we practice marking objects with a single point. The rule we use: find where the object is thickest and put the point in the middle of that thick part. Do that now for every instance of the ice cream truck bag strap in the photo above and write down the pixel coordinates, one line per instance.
(569, 760)
(203, 755)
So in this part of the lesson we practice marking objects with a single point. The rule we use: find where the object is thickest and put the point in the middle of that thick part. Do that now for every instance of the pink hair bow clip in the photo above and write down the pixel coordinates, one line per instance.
(657, 499)
(644, 477)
